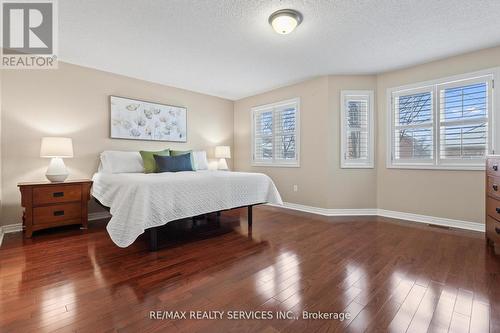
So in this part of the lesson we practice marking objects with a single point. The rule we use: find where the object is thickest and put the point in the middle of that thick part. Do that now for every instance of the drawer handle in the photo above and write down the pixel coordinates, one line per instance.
(498, 210)
(495, 187)
(59, 213)
(495, 167)
(58, 194)
(497, 230)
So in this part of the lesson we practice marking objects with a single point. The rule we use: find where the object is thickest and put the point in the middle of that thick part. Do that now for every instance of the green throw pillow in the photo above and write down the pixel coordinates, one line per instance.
(149, 161)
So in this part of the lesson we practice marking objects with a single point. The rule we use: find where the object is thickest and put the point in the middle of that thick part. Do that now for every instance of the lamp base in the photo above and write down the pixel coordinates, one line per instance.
(222, 165)
(57, 172)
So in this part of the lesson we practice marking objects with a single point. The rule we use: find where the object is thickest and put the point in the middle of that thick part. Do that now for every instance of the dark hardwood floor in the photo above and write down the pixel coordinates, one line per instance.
(388, 275)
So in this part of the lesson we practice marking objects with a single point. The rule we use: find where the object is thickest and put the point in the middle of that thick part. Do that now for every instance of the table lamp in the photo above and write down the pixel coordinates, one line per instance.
(222, 152)
(56, 149)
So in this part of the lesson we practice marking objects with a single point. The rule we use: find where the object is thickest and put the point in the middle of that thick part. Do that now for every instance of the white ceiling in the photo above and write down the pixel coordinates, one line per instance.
(227, 48)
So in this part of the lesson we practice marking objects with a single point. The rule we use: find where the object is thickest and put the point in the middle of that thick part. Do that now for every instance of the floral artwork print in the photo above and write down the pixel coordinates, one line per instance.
(139, 120)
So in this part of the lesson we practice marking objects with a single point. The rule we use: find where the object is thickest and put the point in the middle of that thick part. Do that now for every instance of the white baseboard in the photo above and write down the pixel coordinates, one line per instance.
(17, 227)
(442, 221)
(98, 216)
(328, 211)
(9, 228)
(474, 226)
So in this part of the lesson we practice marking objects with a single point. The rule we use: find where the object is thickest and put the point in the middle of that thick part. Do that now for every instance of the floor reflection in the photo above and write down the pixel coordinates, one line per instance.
(281, 281)
(62, 298)
(80, 281)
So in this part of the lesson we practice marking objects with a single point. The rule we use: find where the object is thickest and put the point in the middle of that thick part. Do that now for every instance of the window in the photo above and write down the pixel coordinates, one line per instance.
(413, 126)
(275, 129)
(356, 113)
(464, 120)
(445, 124)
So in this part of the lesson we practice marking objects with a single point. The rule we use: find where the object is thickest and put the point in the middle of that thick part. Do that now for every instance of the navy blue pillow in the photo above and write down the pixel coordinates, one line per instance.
(173, 163)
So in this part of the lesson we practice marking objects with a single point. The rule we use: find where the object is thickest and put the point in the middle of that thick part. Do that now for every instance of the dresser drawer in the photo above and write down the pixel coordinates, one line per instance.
(493, 208)
(493, 229)
(56, 213)
(493, 167)
(493, 186)
(56, 194)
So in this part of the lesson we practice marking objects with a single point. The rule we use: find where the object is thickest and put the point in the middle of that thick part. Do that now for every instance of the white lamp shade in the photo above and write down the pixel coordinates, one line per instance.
(222, 152)
(56, 147)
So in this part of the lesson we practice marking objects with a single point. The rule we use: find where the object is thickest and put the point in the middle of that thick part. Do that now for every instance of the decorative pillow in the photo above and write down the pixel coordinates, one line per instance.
(184, 152)
(173, 163)
(200, 160)
(121, 161)
(149, 161)
(179, 152)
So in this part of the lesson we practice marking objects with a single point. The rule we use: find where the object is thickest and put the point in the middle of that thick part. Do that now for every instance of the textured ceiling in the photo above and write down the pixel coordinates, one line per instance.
(227, 48)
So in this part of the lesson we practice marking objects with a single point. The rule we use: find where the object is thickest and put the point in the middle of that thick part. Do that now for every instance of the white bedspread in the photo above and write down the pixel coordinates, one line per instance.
(139, 201)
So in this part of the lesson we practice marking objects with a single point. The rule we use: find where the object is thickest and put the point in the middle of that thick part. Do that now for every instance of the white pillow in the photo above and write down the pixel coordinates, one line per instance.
(200, 160)
(121, 161)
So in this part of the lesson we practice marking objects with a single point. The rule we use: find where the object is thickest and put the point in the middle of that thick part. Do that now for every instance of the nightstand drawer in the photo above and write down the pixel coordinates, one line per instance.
(56, 213)
(55, 194)
(492, 229)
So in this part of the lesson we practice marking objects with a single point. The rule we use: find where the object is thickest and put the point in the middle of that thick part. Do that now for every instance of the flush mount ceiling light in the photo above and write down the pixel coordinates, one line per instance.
(285, 21)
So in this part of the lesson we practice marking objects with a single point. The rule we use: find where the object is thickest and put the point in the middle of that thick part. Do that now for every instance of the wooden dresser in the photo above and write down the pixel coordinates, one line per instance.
(493, 201)
(48, 205)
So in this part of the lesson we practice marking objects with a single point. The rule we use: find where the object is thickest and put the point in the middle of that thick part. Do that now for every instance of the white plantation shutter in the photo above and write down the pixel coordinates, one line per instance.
(464, 110)
(263, 137)
(285, 136)
(444, 124)
(275, 134)
(357, 129)
(412, 134)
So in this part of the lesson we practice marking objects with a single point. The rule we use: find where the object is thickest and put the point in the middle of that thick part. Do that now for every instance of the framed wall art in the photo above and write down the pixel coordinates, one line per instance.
(141, 120)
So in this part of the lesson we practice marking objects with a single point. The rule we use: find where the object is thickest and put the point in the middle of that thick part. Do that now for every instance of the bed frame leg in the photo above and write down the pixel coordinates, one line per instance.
(153, 239)
(217, 218)
(250, 217)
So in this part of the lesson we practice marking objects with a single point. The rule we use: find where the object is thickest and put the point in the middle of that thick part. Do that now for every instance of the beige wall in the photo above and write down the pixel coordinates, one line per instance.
(313, 171)
(73, 101)
(348, 188)
(450, 194)
(320, 180)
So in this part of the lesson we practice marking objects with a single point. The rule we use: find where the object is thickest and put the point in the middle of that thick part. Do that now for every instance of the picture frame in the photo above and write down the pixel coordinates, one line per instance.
(135, 119)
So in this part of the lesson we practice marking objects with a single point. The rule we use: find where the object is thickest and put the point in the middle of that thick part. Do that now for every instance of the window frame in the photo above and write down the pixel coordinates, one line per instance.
(276, 162)
(437, 163)
(361, 163)
(422, 162)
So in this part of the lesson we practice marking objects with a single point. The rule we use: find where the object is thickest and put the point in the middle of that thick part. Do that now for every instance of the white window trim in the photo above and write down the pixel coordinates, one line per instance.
(279, 163)
(493, 124)
(351, 164)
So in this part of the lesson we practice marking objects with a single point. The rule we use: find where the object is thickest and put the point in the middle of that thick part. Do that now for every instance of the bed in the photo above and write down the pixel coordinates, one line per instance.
(139, 201)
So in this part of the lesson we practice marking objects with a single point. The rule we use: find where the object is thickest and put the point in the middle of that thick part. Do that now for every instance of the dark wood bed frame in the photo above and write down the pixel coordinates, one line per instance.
(153, 232)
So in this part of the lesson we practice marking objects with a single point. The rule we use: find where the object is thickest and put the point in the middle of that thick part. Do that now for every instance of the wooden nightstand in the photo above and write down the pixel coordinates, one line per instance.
(48, 205)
